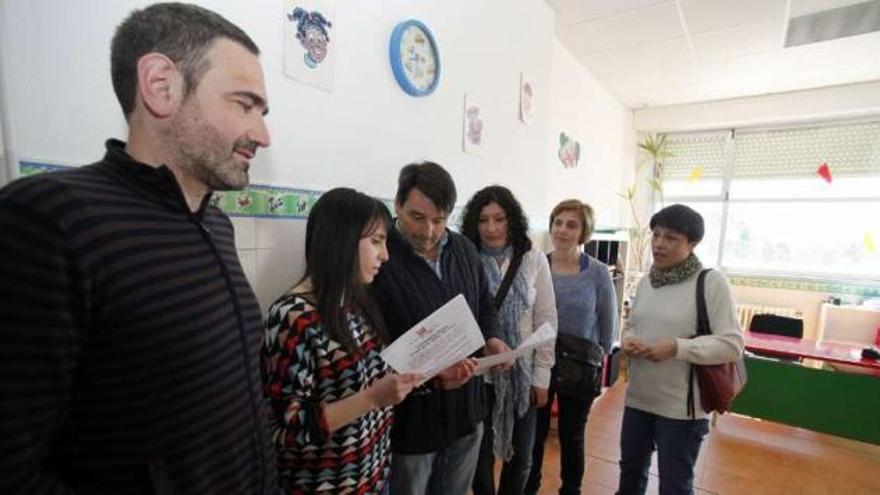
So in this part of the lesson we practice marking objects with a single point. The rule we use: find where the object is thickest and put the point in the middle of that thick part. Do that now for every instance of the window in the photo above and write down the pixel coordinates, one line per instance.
(767, 209)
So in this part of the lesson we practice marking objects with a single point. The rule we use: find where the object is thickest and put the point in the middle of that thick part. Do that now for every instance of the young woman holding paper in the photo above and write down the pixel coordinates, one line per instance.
(326, 383)
(495, 223)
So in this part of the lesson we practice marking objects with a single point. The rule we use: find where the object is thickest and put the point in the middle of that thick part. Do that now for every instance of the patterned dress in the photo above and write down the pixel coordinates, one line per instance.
(303, 370)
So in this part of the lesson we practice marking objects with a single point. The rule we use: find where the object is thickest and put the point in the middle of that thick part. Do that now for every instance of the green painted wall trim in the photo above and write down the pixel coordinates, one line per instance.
(255, 201)
(838, 403)
(863, 289)
(260, 201)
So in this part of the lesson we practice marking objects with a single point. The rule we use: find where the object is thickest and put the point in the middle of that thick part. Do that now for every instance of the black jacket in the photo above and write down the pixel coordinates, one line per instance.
(408, 290)
(129, 339)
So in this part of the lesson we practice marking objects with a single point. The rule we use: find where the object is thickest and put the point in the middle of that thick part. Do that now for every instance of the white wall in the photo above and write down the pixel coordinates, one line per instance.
(583, 109)
(5, 168)
(4, 172)
(360, 134)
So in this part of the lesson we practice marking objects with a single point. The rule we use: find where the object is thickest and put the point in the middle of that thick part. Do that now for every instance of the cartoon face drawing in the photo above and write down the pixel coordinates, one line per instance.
(311, 31)
(315, 42)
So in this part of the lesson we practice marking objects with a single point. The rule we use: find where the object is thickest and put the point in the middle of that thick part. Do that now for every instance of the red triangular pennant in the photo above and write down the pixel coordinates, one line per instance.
(825, 172)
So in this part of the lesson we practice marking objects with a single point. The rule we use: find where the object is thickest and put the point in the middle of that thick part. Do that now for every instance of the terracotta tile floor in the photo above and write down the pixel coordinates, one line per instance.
(739, 456)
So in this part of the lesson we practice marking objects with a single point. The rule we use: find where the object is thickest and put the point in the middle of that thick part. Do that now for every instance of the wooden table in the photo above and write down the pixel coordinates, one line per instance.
(826, 400)
(849, 353)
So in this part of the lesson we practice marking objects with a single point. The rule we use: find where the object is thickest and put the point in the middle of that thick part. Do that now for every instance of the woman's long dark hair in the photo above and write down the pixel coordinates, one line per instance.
(517, 223)
(337, 222)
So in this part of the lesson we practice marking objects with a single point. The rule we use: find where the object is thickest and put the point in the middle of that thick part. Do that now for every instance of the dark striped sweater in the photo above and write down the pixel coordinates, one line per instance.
(129, 339)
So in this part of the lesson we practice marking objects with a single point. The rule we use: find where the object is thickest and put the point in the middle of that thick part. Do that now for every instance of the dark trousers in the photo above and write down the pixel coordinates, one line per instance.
(514, 472)
(571, 426)
(677, 442)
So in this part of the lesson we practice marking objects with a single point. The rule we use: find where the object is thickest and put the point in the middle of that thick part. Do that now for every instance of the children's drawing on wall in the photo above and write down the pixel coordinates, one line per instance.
(474, 127)
(569, 151)
(526, 99)
(310, 42)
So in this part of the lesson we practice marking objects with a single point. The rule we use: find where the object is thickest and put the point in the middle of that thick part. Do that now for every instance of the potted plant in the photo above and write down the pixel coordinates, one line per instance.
(653, 151)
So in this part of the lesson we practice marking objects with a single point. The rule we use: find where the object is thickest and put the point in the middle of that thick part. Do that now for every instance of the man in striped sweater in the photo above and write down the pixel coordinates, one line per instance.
(129, 336)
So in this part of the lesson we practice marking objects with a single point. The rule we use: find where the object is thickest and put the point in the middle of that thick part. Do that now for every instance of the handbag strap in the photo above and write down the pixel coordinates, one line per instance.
(702, 329)
(507, 281)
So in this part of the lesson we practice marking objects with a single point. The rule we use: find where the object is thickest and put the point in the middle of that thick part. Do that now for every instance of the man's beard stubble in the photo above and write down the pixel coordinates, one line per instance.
(202, 152)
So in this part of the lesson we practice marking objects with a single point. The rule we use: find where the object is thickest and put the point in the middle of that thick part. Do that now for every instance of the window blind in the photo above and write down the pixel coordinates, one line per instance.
(848, 149)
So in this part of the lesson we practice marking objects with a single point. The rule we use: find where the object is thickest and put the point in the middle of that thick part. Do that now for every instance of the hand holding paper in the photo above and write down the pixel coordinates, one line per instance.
(458, 374)
(544, 333)
(392, 388)
(497, 346)
(445, 337)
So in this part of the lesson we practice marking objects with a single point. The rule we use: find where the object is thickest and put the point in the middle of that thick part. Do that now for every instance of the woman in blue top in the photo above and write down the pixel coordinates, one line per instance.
(586, 308)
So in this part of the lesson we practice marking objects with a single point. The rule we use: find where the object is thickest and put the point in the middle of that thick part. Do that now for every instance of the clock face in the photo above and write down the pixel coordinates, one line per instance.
(414, 58)
(417, 57)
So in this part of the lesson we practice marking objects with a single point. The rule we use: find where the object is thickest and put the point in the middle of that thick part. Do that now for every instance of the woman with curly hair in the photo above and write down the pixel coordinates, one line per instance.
(495, 223)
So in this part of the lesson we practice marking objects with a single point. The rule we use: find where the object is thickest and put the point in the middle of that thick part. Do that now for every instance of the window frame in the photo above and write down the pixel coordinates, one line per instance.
(723, 198)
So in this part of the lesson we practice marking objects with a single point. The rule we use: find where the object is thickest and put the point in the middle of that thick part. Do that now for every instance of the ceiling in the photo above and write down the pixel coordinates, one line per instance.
(666, 52)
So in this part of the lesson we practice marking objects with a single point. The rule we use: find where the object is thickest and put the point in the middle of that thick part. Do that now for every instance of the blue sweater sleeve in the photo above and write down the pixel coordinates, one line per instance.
(606, 307)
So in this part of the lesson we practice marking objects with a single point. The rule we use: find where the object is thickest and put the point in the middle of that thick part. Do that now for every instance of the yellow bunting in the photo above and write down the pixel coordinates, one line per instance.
(870, 247)
(695, 174)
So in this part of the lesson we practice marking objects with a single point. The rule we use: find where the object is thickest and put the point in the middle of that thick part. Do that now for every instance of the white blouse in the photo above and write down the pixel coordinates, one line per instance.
(541, 309)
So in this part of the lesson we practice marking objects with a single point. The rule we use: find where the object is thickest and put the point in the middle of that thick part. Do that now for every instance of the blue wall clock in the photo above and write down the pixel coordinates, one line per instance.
(414, 58)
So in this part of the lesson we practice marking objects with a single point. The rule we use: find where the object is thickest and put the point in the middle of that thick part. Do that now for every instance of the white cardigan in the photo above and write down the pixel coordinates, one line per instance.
(668, 312)
(541, 309)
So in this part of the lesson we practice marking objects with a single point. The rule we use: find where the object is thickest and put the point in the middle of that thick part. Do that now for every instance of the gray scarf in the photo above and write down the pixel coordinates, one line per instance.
(512, 398)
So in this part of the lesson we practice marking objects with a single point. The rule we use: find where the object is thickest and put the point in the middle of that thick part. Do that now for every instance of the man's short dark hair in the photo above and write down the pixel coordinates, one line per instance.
(182, 32)
(430, 179)
(680, 218)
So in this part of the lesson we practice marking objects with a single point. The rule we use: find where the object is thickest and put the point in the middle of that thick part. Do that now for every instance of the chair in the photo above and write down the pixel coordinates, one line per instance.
(777, 325)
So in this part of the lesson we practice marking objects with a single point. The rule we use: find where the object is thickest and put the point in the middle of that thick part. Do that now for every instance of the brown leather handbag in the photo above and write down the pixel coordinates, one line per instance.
(719, 383)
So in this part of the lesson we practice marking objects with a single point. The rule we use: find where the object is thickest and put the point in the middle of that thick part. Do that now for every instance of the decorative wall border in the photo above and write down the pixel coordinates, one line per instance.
(862, 289)
(257, 201)
(26, 168)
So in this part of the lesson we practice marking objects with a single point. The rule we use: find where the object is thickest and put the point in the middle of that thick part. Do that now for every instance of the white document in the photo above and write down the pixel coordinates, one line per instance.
(544, 333)
(444, 338)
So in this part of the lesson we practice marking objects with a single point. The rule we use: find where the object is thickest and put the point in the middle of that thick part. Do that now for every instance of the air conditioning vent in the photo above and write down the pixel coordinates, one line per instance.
(835, 23)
